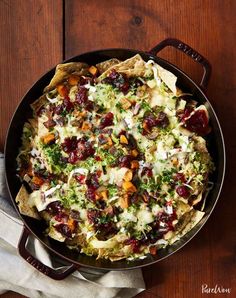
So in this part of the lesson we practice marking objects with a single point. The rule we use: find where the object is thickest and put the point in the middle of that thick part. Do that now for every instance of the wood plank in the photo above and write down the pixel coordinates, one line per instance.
(31, 43)
(209, 27)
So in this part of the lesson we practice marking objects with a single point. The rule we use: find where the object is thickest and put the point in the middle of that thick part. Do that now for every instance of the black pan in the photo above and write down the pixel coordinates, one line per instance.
(13, 142)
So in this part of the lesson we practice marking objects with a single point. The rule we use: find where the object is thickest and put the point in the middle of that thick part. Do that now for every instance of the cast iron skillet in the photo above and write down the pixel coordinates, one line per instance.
(13, 142)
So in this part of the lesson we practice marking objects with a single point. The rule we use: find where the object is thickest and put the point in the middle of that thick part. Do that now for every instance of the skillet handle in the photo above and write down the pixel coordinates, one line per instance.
(183, 47)
(52, 273)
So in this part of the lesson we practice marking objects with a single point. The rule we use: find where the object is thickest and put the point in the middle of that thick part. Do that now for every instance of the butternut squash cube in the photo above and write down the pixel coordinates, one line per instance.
(93, 70)
(123, 139)
(129, 187)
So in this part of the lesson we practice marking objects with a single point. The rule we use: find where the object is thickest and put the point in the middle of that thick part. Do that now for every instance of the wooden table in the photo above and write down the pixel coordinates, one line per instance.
(36, 35)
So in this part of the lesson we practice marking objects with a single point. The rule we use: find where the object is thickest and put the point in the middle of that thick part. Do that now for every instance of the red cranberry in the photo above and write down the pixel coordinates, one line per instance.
(150, 121)
(73, 158)
(118, 80)
(80, 178)
(124, 87)
(93, 216)
(64, 230)
(92, 181)
(69, 144)
(182, 191)
(183, 114)
(125, 161)
(162, 120)
(180, 177)
(62, 217)
(67, 105)
(167, 219)
(54, 208)
(107, 120)
(85, 149)
(81, 96)
(198, 123)
(135, 245)
(147, 171)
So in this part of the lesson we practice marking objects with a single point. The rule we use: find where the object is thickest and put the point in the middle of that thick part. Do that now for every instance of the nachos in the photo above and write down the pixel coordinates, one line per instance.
(114, 159)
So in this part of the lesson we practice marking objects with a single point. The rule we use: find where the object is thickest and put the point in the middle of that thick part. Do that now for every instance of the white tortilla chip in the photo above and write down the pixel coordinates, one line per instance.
(26, 205)
(105, 65)
(54, 234)
(192, 218)
(134, 66)
(63, 71)
(168, 78)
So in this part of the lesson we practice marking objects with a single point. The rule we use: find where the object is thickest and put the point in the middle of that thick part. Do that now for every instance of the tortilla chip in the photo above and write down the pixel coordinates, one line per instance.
(168, 78)
(37, 104)
(105, 65)
(54, 234)
(24, 204)
(134, 66)
(199, 144)
(186, 224)
(63, 71)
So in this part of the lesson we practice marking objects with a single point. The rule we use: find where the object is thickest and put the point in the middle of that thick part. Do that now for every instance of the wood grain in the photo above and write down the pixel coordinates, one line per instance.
(31, 43)
(209, 27)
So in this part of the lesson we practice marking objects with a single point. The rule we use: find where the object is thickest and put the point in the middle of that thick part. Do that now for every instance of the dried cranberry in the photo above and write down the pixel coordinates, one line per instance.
(67, 105)
(92, 184)
(69, 144)
(97, 158)
(81, 96)
(64, 230)
(117, 80)
(135, 245)
(84, 149)
(167, 219)
(73, 158)
(150, 121)
(107, 120)
(58, 109)
(91, 194)
(198, 123)
(54, 208)
(61, 217)
(183, 114)
(180, 177)
(147, 171)
(93, 216)
(92, 181)
(80, 178)
(182, 191)
(124, 87)
(125, 161)
(113, 75)
(162, 120)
